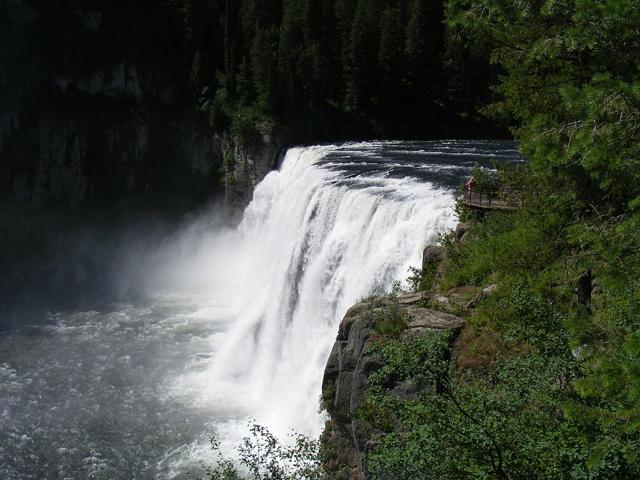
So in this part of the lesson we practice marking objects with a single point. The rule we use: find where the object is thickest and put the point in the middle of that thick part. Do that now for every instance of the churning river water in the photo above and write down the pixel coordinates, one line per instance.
(235, 324)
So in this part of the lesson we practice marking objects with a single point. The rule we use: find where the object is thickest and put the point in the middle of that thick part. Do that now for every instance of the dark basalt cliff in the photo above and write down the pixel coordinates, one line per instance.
(95, 104)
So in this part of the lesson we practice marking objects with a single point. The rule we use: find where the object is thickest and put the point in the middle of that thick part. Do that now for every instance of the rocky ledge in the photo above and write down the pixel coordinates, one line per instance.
(346, 438)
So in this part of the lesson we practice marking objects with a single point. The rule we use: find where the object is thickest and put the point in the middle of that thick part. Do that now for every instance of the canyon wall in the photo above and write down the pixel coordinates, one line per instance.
(95, 104)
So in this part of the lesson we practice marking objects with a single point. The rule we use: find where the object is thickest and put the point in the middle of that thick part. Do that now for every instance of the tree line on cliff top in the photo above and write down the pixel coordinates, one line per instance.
(366, 67)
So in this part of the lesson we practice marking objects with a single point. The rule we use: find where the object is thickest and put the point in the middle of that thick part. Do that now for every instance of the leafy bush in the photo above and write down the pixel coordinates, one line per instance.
(505, 423)
(262, 456)
(392, 321)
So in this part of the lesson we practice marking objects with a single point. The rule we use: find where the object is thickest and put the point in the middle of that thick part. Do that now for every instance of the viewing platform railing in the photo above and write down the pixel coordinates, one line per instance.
(486, 199)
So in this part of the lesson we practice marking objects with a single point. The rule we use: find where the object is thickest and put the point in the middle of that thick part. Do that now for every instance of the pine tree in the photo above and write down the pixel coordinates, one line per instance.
(362, 72)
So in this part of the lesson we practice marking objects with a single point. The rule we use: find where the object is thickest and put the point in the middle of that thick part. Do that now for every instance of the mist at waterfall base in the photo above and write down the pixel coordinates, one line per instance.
(228, 325)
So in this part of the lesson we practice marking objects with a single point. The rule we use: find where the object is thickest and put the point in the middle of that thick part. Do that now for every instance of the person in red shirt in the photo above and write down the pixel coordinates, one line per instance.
(470, 184)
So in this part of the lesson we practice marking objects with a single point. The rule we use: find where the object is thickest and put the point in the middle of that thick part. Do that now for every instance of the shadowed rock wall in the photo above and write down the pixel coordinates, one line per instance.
(95, 104)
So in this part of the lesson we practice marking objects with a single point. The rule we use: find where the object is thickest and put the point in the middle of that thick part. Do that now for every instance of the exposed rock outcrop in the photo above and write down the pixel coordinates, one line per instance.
(461, 230)
(481, 295)
(246, 163)
(350, 364)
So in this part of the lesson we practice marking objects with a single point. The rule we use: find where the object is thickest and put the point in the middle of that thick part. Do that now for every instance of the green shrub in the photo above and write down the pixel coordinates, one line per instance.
(505, 423)
(262, 456)
(392, 320)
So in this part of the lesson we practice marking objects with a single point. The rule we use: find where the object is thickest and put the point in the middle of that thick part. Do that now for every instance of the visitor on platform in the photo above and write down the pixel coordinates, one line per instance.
(470, 184)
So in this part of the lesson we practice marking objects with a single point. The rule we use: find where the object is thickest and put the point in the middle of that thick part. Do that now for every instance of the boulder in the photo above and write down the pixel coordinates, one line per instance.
(432, 254)
(413, 298)
(489, 290)
(482, 295)
(460, 230)
(428, 319)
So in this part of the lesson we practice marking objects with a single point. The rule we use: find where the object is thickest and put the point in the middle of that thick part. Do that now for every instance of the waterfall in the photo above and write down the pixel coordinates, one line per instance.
(315, 242)
(225, 324)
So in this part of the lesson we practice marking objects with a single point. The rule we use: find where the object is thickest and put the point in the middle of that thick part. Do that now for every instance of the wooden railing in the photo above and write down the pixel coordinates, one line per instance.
(485, 198)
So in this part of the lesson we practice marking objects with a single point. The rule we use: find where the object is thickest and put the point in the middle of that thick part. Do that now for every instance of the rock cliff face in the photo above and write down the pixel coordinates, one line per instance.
(345, 382)
(93, 106)
(247, 163)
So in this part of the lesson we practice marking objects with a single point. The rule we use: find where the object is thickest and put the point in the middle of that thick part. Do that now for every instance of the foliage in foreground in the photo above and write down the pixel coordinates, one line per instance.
(262, 456)
(504, 423)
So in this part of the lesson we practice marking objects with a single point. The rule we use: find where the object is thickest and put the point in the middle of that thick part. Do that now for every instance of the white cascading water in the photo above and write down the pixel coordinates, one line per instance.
(314, 245)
